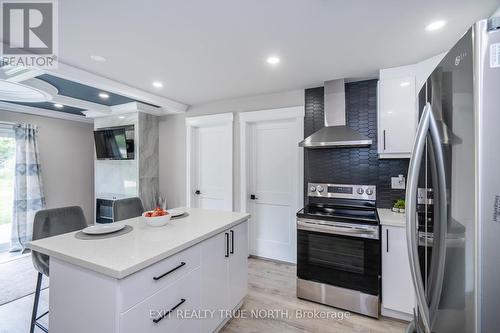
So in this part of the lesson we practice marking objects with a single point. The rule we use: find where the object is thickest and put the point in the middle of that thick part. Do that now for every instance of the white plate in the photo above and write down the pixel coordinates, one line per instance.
(99, 229)
(176, 212)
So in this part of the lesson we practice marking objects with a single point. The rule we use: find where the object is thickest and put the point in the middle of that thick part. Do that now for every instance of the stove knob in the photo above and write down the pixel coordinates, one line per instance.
(320, 188)
(360, 191)
(369, 191)
(312, 189)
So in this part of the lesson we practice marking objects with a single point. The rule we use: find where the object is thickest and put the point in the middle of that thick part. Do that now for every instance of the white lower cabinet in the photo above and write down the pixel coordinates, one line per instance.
(214, 286)
(398, 296)
(224, 272)
(212, 278)
(163, 311)
(238, 264)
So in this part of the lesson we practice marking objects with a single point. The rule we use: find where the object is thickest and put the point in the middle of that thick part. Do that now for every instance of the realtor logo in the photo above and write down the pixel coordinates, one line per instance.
(29, 33)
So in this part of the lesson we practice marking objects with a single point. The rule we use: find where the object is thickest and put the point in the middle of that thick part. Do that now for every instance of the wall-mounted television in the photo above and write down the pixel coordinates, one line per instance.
(114, 143)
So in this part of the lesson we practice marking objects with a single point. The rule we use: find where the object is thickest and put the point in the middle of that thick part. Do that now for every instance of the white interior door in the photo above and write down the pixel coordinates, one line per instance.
(211, 165)
(273, 172)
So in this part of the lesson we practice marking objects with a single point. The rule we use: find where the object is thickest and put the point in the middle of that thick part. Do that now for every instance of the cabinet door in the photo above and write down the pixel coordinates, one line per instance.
(397, 287)
(214, 278)
(397, 115)
(183, 294)
(238, 264)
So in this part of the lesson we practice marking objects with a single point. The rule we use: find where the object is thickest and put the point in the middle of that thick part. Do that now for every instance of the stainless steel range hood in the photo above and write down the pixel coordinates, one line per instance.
(335, 134)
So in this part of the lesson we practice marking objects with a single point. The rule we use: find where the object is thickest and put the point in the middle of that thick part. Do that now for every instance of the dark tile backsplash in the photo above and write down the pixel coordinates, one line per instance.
(351, 165)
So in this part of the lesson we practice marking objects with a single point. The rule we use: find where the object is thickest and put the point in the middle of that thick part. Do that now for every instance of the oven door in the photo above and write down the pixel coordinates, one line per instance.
(337, 256)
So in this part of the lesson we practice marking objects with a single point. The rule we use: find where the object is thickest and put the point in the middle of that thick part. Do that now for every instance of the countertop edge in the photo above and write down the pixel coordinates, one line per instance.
(133, 269)
(390, 218)
(393, 224)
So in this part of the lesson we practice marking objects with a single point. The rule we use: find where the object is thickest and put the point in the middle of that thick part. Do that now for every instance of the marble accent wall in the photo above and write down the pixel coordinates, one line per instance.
(131, 178)
(117, 177)
(148, 160)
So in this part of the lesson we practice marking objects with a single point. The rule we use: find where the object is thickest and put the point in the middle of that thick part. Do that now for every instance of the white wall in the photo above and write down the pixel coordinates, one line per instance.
(172, 133)
(67, 160)
(421, 70)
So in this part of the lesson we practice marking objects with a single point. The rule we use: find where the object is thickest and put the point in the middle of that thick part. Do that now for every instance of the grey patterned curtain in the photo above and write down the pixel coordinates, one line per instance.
(28, 189)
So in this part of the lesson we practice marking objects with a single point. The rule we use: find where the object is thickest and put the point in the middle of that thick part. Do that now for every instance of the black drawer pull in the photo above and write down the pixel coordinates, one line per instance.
(387, 240)
(227, 244)
(157, 320)
(156, 278)
(232, 241)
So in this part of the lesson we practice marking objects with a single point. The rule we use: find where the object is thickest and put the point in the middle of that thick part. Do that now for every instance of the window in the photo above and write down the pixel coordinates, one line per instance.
(7, 164)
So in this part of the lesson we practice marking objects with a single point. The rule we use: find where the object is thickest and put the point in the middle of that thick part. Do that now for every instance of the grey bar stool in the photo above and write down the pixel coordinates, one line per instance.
(48, 223)
(127, 208)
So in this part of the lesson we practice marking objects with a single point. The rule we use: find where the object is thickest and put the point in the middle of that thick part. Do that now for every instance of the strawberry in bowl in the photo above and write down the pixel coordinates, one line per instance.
(157, 217)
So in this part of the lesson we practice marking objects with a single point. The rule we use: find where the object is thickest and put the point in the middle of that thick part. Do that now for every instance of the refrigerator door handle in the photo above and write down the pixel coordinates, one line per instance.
(411, 216)
(442, 221)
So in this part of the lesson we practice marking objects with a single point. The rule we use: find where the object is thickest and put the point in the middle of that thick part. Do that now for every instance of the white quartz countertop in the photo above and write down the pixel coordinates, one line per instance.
(390, 218)
(123, 255)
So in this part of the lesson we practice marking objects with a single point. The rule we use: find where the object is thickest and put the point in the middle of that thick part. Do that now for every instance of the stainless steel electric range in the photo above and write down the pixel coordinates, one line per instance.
(338, 248)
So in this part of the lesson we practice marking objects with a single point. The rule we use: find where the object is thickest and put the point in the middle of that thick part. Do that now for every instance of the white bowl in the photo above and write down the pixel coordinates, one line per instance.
(156, 221)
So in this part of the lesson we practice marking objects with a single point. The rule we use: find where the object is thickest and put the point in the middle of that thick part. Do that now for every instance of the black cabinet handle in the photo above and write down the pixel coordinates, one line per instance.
(384, 139)
(232, 241)
(253, 197)
(386, 240)
(157, 320)
(227, 244)
(197, 192)
(156, 278)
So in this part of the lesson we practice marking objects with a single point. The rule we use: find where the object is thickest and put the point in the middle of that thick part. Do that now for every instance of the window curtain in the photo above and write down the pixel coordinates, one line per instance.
(28, 188)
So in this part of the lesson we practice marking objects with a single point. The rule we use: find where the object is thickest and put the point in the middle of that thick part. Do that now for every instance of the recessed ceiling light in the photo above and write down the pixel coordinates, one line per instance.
(97, 58)
(121, 117)
(435, 25)
(405, 84)
(157, 84)
(273, 60)
(59, 106)
(103, 95)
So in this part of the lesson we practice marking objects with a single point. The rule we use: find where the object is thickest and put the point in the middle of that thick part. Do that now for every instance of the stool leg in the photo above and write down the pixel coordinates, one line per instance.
(35, 302)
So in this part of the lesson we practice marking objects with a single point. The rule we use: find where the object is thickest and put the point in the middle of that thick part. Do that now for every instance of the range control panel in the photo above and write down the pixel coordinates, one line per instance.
(342, 191)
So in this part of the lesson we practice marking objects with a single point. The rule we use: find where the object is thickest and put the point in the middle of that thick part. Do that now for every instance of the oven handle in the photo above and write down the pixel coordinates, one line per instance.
(338, 229)
(411, 216)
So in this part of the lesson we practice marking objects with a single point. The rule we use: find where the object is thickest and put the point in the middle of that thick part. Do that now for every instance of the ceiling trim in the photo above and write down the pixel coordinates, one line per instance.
(137, 106)
(19, 74)
(81, 76)
(81, 104)
(43, 112)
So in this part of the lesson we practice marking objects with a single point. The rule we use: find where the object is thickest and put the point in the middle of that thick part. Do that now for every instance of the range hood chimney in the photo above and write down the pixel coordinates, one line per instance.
(335, 134)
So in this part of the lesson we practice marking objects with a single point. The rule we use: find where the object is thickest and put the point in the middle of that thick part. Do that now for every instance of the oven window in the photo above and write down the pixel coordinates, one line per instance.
(342, 254)
(342, 261)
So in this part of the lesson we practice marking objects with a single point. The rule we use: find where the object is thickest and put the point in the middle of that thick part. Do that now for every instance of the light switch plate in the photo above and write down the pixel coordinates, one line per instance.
(397, 184)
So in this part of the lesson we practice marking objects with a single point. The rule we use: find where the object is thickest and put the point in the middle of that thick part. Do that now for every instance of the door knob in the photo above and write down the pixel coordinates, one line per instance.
(253, 197)
(197, 192)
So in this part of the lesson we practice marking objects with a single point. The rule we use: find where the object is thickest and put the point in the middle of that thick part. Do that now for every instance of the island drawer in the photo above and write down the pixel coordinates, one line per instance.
(174, 303)
(141, 285)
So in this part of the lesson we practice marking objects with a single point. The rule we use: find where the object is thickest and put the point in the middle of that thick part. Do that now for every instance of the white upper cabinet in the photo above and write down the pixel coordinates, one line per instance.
(397, 106)
(397, 116)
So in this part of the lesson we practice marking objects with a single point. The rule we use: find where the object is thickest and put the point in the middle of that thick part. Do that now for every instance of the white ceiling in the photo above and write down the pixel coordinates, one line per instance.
(204, 50)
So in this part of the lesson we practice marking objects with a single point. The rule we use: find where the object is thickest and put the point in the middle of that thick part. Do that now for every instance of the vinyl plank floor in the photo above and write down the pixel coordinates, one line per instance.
(272, 287)
(15, 317)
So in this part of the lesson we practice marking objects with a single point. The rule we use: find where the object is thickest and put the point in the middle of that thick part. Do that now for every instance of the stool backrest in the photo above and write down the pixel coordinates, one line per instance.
(53, 222)
(127, 208)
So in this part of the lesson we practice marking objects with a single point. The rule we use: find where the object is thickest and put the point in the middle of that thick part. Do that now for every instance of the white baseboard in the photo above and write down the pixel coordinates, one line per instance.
(396, 314)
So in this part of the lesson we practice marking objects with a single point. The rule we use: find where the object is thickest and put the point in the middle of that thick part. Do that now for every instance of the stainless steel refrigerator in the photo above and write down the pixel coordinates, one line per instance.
(453, 192)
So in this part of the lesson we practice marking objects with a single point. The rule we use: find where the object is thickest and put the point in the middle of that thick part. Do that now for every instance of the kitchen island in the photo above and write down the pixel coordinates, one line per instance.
(176, 278)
